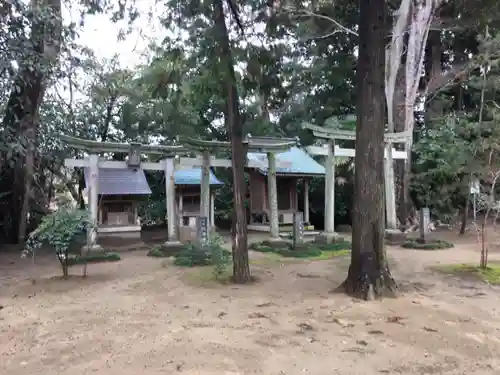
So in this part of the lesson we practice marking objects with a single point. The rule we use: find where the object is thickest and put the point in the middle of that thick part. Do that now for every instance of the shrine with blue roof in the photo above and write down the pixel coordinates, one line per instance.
(293, 167)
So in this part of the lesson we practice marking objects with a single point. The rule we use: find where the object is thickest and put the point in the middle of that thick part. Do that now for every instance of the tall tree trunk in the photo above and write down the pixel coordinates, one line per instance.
(401, 174)
(369, 274)
(20, 118)
(434, 70)
(241, 268)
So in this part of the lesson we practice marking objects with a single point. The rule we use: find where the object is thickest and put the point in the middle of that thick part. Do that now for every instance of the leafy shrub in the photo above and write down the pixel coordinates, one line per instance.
(93, 258)
(306, 250)
(194, 254)
(64, 231)
(427, 245)
(162, 251)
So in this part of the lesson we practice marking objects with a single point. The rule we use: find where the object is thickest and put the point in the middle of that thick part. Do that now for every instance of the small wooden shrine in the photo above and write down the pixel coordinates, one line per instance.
(292, 167)
(119, 194)
(188, 195)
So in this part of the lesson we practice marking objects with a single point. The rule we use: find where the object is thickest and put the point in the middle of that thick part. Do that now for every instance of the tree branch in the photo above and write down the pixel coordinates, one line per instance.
(458, 73)
(308, 13)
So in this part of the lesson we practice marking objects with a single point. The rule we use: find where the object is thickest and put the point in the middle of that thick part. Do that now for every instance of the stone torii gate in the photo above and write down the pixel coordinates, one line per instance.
(269, 145)
(134, 150)
(332, 151)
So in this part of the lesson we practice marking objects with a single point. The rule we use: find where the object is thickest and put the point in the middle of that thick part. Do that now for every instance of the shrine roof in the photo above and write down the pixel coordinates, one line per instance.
(295, 161)
(192, 176)
(126, 181)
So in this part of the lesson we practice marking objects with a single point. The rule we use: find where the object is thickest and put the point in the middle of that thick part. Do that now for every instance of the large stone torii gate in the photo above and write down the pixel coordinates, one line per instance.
(332, 151)
(268, 145)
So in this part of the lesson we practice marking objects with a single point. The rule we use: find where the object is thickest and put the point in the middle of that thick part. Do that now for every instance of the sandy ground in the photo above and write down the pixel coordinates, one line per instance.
(139, 316)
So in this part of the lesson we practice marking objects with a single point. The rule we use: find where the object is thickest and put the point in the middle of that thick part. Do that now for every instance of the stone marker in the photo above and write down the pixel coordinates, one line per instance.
(298, 229)
(202, 227)
(425, 219)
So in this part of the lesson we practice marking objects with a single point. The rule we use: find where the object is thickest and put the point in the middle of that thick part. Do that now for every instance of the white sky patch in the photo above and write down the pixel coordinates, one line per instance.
(102, 35)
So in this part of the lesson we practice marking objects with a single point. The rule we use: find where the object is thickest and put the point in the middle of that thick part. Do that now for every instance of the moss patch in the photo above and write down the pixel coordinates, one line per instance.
(310, 250)
(490, 274)
(94, 258)
(428, 245)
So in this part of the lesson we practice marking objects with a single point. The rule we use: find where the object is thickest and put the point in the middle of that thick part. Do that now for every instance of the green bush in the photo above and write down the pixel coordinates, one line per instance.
(428, 245)
(94, 258)
(212, 254)
(306, 250)
(162, 251)
(64, 231)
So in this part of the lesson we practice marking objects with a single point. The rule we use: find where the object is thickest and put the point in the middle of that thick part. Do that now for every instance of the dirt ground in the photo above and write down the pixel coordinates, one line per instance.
(145, 316)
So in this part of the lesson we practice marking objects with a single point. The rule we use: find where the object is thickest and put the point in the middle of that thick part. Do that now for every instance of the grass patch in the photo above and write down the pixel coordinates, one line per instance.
(162, 251)
(267, 259)
(96, 257)
(311, 250)
(428, 245)
(490, 274)
(325, 255)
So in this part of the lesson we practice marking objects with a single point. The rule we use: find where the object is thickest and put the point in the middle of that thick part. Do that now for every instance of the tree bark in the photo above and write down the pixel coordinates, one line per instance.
(369, 274)
(241, 268)
(21, 112)
(401, 179)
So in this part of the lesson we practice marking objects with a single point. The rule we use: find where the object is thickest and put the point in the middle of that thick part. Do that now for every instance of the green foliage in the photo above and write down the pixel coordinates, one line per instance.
(441, 173)
(63, 231)
(212, 254)
(96, 257)
(158, 251)
(163, 251)
(427, 245)
(490, 274)
(306, 250)
(153, 211)
(439, 170)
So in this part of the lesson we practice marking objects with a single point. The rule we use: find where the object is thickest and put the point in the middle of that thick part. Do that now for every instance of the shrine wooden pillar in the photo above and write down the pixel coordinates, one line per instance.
(272, 195)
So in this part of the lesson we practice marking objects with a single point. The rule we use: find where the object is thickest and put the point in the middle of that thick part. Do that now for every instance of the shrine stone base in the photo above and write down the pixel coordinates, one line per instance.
(394, 237)
(329, 238)
(95, 248)
(173, 244)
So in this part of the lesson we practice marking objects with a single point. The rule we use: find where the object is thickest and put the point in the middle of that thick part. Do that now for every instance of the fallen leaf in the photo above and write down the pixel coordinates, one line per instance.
(265, 304)
(308, 275)
(341, 323)
(395, 319)
(306, 327)
(257, 315)
(430, 329)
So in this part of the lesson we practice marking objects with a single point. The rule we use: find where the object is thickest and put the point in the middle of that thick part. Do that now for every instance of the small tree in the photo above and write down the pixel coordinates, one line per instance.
(63, 231)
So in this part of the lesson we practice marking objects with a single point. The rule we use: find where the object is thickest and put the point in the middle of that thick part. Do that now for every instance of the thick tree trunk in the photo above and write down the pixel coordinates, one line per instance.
(21, 111)
(369, 274)
(241, 268)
